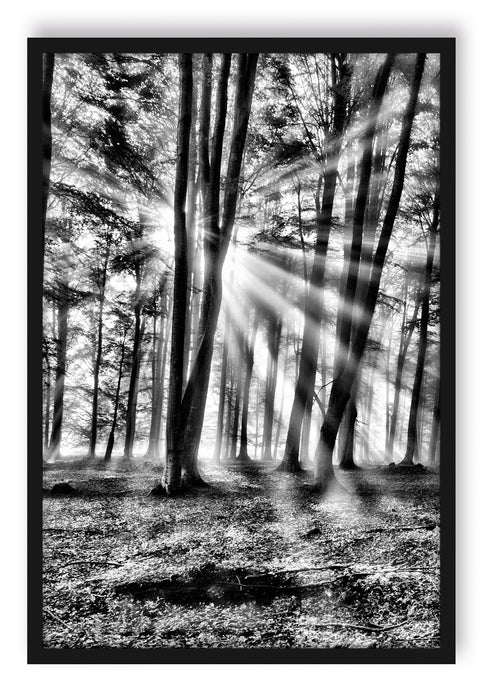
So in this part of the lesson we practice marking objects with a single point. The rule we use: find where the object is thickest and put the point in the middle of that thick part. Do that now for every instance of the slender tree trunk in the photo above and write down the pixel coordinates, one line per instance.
(223, 374)
(48, 388)
(342, 385)
(388, 455)
(274, 331)
(406, 335)
(58, 399)
(249, 361)
(48, 64)
(97, 364)
(159, 382)
(111, 436)
(347, 428)
(130, 422)
(304, 391)
(412, 428)
(221, 394)
(237, 358)
(228, 419)
(276, 443)
(256, 443)
(435, 427)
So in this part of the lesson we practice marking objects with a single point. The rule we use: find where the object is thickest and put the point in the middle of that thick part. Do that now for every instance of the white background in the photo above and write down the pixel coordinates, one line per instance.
(473, 28)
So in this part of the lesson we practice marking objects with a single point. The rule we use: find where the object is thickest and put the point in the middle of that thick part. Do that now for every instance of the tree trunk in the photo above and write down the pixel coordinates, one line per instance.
(97, 364)
(342, 385)
(130, 421)
(58, 400)
(303, 397)
(406, 335)
(274, 332)
(412, 428)
(153, 451)
(237, 402)
(347, 429)
(221, 394)
(216, 245)
(48, 64)
(48, 385)
(243, 453)
(276, 442)
(435, 427)
(111, 437)
(171, 479)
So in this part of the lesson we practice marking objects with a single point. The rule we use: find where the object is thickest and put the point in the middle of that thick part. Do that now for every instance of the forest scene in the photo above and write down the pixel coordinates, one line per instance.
(241, 350)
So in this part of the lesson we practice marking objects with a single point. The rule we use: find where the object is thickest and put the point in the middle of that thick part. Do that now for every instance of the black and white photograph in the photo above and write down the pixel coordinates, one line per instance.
(241, 307)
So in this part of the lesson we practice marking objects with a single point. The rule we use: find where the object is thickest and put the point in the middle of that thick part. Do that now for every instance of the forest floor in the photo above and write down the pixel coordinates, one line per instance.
(257, 560)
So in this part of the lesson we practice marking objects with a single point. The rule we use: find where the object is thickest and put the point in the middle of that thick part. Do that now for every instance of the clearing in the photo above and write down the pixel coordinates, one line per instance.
(257, 560)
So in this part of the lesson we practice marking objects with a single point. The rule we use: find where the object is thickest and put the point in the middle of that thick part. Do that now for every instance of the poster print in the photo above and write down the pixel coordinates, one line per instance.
(240, 311)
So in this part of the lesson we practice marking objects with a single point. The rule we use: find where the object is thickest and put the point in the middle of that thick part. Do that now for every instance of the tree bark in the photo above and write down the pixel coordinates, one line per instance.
(216, 245)
(249, 361)
(153, 451)
(412, 428)
(406, 335)
(347, 429)
(99, 347)
(341, 387)
(435, 428)
(303, 397)
(111, 436)
(274, 332)
(173, 467)
(48, 64)
(58, 399)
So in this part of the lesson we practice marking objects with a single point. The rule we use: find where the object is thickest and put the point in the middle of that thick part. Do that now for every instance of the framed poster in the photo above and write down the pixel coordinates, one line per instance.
(241, 326)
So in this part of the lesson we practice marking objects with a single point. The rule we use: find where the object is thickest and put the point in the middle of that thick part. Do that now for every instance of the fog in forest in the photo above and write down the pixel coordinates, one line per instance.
(302, 201)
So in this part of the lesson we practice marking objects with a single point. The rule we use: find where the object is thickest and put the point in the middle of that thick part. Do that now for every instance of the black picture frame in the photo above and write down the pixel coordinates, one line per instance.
(445, 654)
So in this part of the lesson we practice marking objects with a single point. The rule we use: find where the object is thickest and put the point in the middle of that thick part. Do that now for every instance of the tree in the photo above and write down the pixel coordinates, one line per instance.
(303, 398)
(412, 429)
(186, 416)
(48, 63)
(343, 381)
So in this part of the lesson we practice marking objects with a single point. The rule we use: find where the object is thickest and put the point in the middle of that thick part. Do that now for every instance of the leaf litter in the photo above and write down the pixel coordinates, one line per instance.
(238, 566)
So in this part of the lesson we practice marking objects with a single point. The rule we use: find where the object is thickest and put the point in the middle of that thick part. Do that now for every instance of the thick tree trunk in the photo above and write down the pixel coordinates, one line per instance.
(171, 479)
(341, 387)
(216, 245)
(58, 399)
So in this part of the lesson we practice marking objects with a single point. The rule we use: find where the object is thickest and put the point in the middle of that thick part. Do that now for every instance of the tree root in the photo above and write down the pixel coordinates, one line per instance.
(289, 466)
